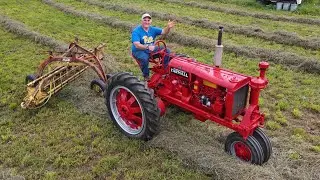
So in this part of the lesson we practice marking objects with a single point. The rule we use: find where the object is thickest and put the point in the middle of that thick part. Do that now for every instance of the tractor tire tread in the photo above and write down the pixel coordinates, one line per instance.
(251, 142)
(148, 103)
(98, 82)
(265, 143)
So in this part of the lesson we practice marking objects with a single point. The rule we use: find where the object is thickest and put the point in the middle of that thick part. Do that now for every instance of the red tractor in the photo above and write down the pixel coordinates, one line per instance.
(208, 92)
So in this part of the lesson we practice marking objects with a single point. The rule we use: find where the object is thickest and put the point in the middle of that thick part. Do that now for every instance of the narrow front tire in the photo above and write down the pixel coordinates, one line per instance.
(246, 150)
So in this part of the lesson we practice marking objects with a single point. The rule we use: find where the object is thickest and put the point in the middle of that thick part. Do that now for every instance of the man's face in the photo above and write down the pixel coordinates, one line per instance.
(146, 22)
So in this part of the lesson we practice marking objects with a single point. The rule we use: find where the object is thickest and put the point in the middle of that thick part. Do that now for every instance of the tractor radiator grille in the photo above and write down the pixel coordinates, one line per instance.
(240, 100)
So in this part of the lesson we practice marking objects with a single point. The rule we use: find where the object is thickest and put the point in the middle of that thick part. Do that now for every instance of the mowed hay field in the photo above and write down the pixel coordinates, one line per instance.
(72, 137)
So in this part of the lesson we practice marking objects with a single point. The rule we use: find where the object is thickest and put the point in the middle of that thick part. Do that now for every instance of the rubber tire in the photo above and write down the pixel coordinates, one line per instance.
(251, 142)
(99, 83)
(265, 143)
(109, 75)
(30, 77)
(144, 97)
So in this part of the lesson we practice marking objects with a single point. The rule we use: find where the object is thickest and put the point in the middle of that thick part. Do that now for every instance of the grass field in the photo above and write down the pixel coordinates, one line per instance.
(72, 137)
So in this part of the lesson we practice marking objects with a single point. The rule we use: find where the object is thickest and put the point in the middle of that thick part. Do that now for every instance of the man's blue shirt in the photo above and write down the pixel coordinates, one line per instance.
(139, 34)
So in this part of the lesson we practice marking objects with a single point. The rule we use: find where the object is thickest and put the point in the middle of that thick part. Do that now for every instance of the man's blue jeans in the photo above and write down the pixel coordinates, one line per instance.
(143, 57)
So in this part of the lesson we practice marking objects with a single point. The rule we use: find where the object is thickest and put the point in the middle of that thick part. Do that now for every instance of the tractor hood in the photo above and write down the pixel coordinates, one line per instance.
(188, 67)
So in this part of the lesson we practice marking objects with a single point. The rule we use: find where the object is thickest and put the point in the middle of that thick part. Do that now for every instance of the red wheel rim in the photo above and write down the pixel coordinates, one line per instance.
(129, 109)
(242, 151)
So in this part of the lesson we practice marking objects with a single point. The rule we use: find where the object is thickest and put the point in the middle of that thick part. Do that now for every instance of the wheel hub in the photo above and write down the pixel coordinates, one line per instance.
(242, 151)
(124, 110)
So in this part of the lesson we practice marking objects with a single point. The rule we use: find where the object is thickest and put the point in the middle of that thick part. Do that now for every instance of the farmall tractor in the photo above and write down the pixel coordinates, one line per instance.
(208, 92)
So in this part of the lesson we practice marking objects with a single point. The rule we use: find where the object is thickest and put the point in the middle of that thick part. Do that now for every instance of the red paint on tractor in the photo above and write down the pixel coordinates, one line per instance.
(129, 109)
(211, 93)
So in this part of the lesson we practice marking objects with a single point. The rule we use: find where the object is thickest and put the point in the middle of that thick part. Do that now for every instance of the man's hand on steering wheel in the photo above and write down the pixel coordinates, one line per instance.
(158, 44)
(151, 48)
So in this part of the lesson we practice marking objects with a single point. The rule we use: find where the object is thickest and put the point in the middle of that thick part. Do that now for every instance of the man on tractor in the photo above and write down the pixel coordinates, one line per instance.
(143, 38)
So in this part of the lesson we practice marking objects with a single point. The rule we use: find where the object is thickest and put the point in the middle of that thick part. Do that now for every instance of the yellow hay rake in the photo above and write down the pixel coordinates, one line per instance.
(60, 69)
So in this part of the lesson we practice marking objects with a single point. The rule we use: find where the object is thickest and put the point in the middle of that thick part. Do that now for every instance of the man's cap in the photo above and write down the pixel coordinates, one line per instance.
(145, 15)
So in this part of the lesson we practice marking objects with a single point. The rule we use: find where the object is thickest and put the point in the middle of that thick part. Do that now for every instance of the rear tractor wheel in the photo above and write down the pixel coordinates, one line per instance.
(246, 150)
(132, 107)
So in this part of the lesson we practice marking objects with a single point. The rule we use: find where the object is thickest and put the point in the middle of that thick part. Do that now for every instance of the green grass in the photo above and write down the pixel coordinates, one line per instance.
(308, 7)
(294, 155)
(267, 25)
(57, 141)
(293, 60)
(272, 125)
(90, 33)
(296, 113)
(230, 38)
(316, 148)
(60, 142)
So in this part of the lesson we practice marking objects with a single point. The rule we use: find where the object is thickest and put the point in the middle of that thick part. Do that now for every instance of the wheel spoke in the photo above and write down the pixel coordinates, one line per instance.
(136, 119)
(131, 100)
(128, 122)
(118, 104)
(135, 110)
(123, 95)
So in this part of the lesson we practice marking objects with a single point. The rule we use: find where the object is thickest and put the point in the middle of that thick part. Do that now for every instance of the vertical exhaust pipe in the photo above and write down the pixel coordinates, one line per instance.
(219, 49)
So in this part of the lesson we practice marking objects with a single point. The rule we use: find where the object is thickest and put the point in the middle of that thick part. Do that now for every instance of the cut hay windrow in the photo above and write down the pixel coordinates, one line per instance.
(282, 37)
(20, 29)
(287, 59)
(114, 22)
(279, 57)
(245, 13)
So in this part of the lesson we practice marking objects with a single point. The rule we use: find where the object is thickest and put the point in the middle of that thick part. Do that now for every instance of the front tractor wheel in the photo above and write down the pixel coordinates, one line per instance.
(132, 107)
(246, 150)
(265, 143)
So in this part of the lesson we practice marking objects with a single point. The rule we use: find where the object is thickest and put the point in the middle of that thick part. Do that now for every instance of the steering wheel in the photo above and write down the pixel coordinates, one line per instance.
(161, 52)
(158, 42)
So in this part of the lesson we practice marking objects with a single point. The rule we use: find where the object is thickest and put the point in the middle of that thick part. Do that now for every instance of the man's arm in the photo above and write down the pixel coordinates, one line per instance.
(138, 45)
(136, 41)
(170, 25)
